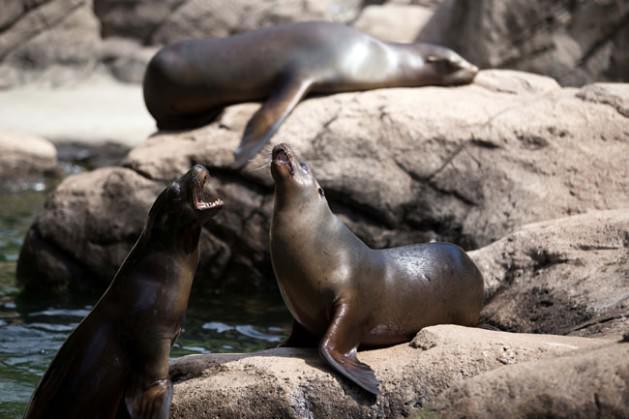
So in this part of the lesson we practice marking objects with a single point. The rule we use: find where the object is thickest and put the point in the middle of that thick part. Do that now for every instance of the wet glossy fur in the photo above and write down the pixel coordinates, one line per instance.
(116, 361)
(344, 294)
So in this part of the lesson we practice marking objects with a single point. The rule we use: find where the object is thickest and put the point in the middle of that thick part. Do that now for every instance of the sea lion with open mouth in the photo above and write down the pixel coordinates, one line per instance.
(115, 363)
(188, 83)
(342, 293)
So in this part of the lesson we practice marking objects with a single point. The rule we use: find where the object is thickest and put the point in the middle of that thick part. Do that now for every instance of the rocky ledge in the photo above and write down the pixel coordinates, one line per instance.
(468, 164)
(446, 371)
(25, 156)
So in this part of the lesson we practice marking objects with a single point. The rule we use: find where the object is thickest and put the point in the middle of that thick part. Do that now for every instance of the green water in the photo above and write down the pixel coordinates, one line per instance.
(31, 331)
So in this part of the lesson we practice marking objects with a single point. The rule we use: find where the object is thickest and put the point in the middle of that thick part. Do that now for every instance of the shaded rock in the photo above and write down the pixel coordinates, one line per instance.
(467, 164)
(24, 155)
(565, 276)
(425, 3)
(69, 222)
(591, 383)
(573, 42)
(393, 22)
(290, 382)
(172, 20)
(54, 41)
(125, 59)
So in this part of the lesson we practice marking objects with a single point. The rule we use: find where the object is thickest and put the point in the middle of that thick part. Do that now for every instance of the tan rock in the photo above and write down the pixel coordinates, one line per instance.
(582, 384)
(292, 382)
(565, 276)
(52, 42)
(23, 155)
(393, 22)
(574, 43)
(170, 20)
(468, 164)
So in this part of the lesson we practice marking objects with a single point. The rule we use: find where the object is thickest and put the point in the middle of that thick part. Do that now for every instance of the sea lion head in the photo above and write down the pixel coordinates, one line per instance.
(445, 67)
(294, 176)
(188, 201)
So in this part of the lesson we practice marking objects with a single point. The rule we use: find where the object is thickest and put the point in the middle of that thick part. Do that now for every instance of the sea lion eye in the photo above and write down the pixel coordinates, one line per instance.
(304, 167)
(321, 192)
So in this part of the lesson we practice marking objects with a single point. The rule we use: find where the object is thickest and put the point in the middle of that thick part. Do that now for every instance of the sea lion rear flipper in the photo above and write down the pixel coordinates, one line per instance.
(338, 347)
(152, 402)
(266, 121)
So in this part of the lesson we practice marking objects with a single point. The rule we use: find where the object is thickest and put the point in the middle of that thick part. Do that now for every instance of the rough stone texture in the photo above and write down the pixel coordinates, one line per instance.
(171, 20)
(290, 383)
(467, 164)
(53, 40)
(25, 156)
(582, 384)
(125, 59)
(574, 42)
(565, 276)
(393, 22)
(72, 220)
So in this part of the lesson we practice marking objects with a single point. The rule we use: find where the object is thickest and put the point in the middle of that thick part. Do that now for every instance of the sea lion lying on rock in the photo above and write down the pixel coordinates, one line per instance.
(188, 83)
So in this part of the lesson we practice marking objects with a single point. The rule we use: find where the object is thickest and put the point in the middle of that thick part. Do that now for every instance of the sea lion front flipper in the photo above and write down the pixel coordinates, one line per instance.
(152, 402)
(338, 347)
(266, 121)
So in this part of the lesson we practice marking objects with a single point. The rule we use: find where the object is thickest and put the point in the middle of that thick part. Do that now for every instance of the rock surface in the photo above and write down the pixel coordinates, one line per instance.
(172, 20)
(53, 40)
(398, 165)
(573, 42)
(292, 382)
(591, 383)
(25, 156)
(393, 22)
(565, 276)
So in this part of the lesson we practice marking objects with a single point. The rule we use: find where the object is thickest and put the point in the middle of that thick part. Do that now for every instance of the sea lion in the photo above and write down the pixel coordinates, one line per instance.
(115, 363)
(342, 293)
(188, 83)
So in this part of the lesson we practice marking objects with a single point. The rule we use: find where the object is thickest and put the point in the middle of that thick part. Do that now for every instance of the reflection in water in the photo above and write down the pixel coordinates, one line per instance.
(31, 331)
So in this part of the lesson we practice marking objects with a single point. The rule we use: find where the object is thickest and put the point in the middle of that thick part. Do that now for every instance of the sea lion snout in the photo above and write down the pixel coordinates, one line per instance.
(203, 197)
(282, 161)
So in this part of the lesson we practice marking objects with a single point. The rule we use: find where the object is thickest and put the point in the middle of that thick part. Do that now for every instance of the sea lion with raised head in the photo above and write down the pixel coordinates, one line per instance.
(189, 82)
(342, 293)
(115, 363)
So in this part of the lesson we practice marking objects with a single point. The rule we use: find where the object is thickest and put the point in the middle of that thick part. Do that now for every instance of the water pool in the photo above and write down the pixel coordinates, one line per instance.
(31, 330)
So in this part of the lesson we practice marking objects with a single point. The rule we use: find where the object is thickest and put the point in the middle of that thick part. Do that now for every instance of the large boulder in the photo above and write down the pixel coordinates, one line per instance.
(290, 383)
(25, 156)
(591, 383)
(53, 40)
(467, 164)
(166, 21)
(574, 42)
(393, 22)
(565, 276)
